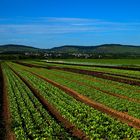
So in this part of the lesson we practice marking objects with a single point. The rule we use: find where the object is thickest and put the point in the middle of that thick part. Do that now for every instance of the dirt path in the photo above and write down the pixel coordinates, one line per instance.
(2, 126)
(9, 135)
(55, 113)
(123, 117)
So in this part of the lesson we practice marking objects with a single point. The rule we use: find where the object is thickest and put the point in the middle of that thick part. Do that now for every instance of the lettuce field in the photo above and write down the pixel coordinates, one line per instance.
(41, 100)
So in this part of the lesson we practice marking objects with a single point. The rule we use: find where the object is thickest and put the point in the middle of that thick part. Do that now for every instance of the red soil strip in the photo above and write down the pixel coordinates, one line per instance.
(68, 125)
(6, 113)
(87, 72)
(123, 117)
(125, 76)
(99, 89)
(2, 126)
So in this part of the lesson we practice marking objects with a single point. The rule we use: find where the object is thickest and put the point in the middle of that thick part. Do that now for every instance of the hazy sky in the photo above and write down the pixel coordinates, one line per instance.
(52, 23)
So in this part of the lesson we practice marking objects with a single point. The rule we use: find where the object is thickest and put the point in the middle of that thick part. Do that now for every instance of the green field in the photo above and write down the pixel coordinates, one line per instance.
(48, 101)
(103, 61)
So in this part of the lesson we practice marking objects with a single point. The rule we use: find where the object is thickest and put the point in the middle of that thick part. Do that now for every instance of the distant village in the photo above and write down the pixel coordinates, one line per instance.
(61, 55)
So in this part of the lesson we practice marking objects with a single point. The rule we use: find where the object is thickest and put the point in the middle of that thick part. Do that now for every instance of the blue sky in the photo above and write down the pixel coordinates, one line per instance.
(52, 23)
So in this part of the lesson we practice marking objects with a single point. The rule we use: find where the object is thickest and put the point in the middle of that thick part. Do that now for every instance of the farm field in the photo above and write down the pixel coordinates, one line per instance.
(51, 101)
(124, 62)
(121, 75)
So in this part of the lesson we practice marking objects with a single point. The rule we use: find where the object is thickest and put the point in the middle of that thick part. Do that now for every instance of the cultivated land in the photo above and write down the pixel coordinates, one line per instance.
(70, 99)
(102, 61)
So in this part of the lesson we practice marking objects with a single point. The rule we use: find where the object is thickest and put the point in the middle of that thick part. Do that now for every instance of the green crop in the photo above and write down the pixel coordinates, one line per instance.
(29, 118)
(119, 104)
(94, 123)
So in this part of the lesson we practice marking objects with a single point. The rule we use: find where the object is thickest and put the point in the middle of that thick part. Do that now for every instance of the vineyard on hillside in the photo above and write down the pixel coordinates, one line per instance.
(43, 100)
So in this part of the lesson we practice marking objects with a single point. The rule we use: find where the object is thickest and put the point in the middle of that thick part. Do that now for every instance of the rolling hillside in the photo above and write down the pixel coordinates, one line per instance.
(106, 49)
(102, 49)
(17, 48)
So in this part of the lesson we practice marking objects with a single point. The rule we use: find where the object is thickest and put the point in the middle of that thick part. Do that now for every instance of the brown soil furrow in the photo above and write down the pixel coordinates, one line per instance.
(99, 89)
(125, 118)
(55, 113)
(2, 126)
(87, 72)
(6, 112)
(125, 76)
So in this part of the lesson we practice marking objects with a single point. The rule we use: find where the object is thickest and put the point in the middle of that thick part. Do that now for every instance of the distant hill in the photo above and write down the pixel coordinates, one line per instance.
(17, 48)
(69, 49)
(105, 49)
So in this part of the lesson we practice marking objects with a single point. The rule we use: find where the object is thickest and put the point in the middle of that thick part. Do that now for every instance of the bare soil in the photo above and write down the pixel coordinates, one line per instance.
(9, 135)
(2, 125)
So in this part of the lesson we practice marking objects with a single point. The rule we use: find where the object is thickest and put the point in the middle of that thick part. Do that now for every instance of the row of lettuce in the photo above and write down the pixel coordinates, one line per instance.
(132, 73)
(89, 82)
(29, 119)
(132, 108)
(112, 83)
(95, 124)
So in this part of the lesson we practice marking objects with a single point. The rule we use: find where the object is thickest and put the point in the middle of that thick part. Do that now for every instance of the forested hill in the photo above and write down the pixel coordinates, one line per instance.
(105, 49)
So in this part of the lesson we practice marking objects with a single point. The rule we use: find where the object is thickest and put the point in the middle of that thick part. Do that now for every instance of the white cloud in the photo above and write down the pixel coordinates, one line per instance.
(55, 25)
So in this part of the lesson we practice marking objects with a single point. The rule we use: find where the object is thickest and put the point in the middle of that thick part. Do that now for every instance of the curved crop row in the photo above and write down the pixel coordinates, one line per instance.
(54, 112)
(130, 95)
(6, 132)
(29, 119)
(87, 72)
(93, 122)
(115, 87)
(126, 73)
(105, 69)
(104, 83)
(131, 108)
